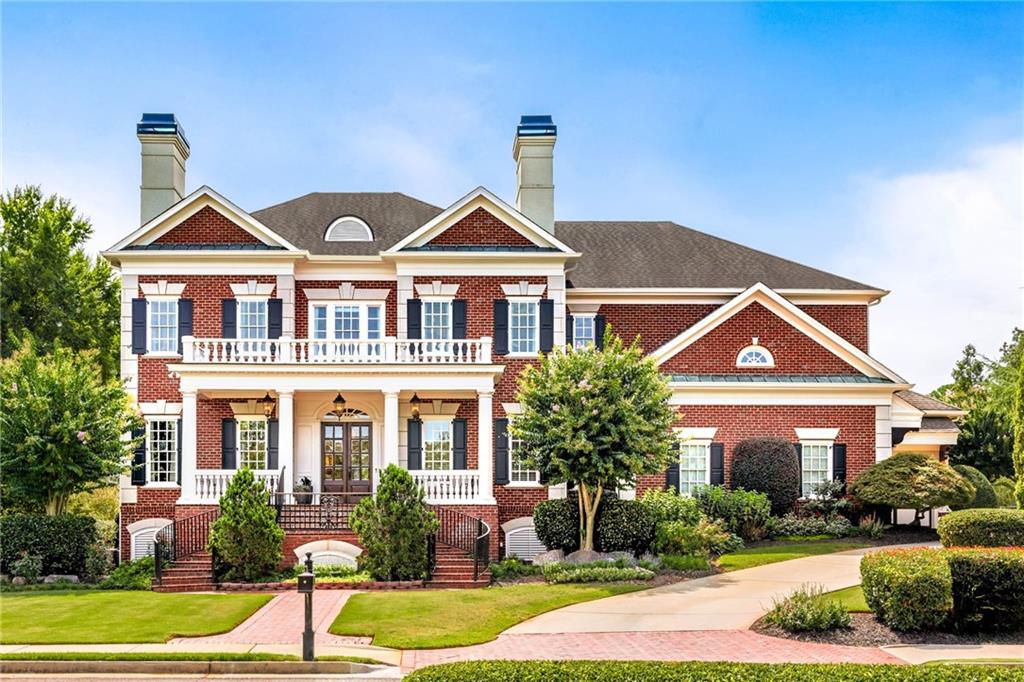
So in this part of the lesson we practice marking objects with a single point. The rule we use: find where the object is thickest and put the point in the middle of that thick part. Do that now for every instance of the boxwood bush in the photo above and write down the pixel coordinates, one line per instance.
(982, 528)
(622, 525)
(593, 573)
(743, 512)
(768, 465)
(984, 493)
(557, 523)
(690, 671)
(793, 524)
(988, 589)
(908, 589)
(59, 541)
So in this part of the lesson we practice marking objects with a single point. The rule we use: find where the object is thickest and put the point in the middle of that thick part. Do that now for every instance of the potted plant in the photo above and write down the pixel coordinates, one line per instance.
(304, 491)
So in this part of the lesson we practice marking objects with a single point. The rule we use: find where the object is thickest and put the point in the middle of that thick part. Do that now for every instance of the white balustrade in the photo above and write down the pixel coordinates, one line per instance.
(388, 350)
(211, 483)
(448, 487)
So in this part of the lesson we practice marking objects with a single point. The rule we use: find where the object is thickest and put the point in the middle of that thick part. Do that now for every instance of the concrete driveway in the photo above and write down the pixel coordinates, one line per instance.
(728, 601)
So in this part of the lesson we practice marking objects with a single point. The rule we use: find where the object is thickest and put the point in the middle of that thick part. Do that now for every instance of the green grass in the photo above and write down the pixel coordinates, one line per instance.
(113, 617)
(783, 551)
(447, 618)
(171, 656)
(852, 598)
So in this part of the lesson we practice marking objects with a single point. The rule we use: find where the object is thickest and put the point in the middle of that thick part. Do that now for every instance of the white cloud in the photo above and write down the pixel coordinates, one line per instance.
(947, 243)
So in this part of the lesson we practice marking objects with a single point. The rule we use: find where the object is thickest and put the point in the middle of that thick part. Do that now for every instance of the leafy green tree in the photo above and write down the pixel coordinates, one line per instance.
(912, 481)
(245, 537)
(1018, 448)
(51, 290)
(597, 418)
(393, 527)
(61, 427)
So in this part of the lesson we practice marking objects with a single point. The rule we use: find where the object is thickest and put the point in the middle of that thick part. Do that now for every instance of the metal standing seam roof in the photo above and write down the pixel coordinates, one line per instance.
(778, 378)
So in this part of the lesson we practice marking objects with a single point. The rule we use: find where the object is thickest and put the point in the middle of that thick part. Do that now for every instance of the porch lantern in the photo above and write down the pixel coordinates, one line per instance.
(414, 402)
(268, 405)
(339, 405)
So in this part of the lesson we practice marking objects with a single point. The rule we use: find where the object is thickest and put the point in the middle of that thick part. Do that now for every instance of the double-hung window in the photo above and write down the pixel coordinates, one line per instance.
(252, 442)
(437, 323)
(694, 468)
(348, 324)
(162, 450)
(815, 465)
(437, 444)
(252, 318)
(523, 326)
(518, 472)
(163, 325)
(583, 331)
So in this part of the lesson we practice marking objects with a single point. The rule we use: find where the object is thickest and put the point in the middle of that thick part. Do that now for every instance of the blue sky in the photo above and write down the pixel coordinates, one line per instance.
(882, 141)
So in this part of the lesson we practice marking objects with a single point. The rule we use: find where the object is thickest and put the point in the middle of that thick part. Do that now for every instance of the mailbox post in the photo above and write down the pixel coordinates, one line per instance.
(306, 580)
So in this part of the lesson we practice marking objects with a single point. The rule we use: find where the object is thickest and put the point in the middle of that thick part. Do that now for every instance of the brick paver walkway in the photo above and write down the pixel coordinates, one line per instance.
(710, 645)
(281, 622)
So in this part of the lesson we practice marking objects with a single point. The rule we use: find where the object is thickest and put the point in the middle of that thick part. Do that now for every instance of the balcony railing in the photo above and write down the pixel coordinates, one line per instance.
(388, 350)
(211, 483)
(448, 487)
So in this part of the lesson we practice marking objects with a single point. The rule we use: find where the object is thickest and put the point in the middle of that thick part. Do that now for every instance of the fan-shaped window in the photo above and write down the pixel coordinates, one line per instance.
(755, 356)
(348, 229)
(349, 414)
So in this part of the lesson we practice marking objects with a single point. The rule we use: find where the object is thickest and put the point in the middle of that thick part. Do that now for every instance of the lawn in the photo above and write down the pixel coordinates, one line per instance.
(782, 551)
(101, 617)
(447, 618)
(852, 598)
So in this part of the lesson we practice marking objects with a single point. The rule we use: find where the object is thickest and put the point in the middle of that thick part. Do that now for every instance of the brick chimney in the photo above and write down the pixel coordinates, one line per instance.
(164, 153)
(534, 152)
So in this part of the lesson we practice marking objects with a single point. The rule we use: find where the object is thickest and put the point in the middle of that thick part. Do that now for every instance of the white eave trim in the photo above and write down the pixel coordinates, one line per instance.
(696, 295)
(790, 313)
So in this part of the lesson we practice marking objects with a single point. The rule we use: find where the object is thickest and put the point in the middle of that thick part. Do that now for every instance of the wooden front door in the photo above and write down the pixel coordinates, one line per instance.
(346, 457)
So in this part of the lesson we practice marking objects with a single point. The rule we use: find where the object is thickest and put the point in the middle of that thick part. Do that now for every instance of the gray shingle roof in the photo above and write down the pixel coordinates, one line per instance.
(938, 424)
(925, 403)
(615, 254)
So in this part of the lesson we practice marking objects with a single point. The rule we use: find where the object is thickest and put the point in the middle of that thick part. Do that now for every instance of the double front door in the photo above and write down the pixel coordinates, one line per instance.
(346, 456)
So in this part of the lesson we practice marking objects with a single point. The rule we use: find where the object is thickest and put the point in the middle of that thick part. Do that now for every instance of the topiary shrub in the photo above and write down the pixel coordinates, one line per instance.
(393, 527)
(557, 524)
(912, 481)
(982, 528)
(667, 505)
(60, 542)
(743, 512)
(768, 465)
(984, 494)
(624, 526)
(1003, 488)
(988, 589)
(807, 609)
(908, 589)
(245, 538)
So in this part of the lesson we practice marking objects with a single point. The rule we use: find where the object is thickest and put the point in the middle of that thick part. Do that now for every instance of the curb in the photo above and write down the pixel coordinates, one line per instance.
(189, 667)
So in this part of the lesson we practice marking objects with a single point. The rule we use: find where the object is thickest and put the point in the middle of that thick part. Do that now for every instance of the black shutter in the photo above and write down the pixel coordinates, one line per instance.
(229, 318)
(570, 329)
(717, 464)
(415, 427)
(501, 326)
(273, 440)
(547, 325)
(139, 326)
(139, 458)
(184, 320)
(839, 462)
(275, 315)
(459, 319)
(178, 470)
(228, 450)
(414, 318)
(459, 444)
(672, 473)
(799, 466)
(599, 331)
(501, 451)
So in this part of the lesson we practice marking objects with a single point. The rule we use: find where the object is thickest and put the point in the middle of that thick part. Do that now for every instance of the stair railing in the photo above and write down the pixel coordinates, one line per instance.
(182, 538)
(462, 531)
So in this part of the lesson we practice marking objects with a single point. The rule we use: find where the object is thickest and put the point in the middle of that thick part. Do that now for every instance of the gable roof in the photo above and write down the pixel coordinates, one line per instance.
(929, 405)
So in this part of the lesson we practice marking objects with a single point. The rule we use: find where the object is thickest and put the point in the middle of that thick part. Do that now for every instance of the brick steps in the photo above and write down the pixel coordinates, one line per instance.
(454, 570)
(190, 574)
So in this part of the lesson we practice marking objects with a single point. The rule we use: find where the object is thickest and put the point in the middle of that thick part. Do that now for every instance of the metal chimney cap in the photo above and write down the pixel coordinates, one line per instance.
(536, 126)
(161, 124)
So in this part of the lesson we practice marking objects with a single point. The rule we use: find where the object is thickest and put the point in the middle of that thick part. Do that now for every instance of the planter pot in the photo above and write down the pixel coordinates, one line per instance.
(303, 498)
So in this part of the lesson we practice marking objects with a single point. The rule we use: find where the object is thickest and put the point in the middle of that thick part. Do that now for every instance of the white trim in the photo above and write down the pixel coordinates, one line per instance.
(160, 408)
(438, 289)
(690, 433)
(162, 289)
(696, 295)
(348, 218)
(732, 393)
(239, 418)
(361, 304)
(694, 442)
(582, 316)
(346, 291)
(252, 288)
(512, 408)
(791, 314)
(816, 434)
(828, 443)
(150, 352)
(523, 289)
(444, 418)
(536, 330)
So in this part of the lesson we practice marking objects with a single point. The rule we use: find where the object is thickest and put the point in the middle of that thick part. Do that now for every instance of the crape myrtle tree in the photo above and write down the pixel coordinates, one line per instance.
(62, 427)
(596, 418)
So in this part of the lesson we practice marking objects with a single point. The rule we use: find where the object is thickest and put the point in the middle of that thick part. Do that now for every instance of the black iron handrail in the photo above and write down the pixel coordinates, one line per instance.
(463, 532)
(182, 538)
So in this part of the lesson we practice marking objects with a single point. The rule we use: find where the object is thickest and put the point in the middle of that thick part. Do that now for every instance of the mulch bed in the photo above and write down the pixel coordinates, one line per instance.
(865, 630)
(660, 578)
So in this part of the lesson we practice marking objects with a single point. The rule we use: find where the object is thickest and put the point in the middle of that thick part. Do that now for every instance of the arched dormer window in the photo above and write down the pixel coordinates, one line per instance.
(348, 229)
(755, 355)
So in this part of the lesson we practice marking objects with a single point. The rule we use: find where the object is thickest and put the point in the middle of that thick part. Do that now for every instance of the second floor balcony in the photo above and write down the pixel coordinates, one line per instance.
(387, 350)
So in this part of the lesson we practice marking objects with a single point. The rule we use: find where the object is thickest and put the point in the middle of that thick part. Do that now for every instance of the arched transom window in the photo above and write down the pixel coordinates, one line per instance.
(348, 229)
(755, 355)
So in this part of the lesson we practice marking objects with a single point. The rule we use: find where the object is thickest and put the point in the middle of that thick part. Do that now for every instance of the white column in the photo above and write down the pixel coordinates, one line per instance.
(390, 428)
(189, 441)
(485, 445)
(286, 436)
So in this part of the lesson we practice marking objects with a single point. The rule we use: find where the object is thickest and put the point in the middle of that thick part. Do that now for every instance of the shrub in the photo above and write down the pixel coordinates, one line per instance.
(131, 575)
(513, 568)
(393, 526)
(667, 505)
(982, 528)
(829, 499)
(593, 573)
(557, 524)
(97, 562)
(245, 537)
(685, 562)
(912, 481)
(60, 542)
(745, 513)
(872, 526)
(707, 537)
(1003, 488)
(768, 465)
(908, 589)
(808, 610)
(984, 494)
(793, 524)
(28, 566)
(624, 526)
(988, 589)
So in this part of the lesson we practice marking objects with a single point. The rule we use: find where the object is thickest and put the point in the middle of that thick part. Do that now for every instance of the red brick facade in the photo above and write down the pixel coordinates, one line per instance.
(207, 226)
(849, 321)
(302, 330)
(480, 228)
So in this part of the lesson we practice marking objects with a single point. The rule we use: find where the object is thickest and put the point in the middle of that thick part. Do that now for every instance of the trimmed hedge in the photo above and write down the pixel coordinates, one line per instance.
(593, 573)
(984, 493)
(988, 589)
(770, 466)
(557, 524)
(908, 589)
(657, 671)
(622, 525)
(60, 541)
(982, 528)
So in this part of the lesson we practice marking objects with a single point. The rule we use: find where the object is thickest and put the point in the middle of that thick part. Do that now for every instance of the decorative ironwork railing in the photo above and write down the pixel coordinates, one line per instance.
(314, 511)
(182, 538)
